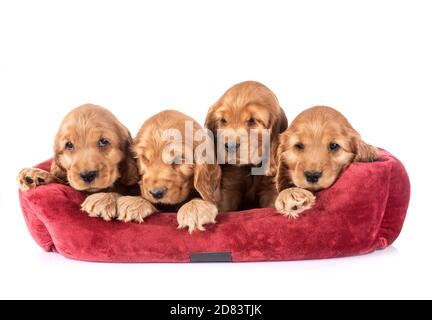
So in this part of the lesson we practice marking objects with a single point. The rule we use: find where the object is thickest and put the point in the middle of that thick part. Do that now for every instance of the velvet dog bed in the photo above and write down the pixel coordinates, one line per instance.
(362, 212)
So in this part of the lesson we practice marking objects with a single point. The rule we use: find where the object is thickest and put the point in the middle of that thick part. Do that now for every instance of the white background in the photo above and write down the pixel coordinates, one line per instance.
(370, 59)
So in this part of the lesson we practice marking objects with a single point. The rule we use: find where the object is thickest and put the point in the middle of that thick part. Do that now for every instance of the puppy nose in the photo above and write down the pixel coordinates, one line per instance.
(312, 176)
(232, 145)
(158, 193)
(88, 176)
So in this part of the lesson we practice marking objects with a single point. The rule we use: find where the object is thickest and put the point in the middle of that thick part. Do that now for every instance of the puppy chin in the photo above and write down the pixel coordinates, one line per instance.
(95, 186)
(84, 187)
(239, 161)
(166, 201)
(313, 187)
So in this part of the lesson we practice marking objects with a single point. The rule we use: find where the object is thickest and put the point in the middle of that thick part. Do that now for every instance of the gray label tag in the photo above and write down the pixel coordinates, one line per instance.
(211, 257)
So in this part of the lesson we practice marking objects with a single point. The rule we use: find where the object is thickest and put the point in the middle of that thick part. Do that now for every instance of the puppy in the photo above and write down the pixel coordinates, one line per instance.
(246, 108)
(317, 146)
(91, 154)
(173, 176)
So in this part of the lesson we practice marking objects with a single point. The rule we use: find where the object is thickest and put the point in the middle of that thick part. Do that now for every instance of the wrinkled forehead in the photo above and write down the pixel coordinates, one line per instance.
(82, 131)
(158, 150)
(317, 132)
(243, 112)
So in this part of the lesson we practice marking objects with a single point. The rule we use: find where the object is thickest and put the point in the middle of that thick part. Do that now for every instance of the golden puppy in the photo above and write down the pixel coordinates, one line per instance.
(240, 119)
(172, 172)
(91, 154)
(314, 150)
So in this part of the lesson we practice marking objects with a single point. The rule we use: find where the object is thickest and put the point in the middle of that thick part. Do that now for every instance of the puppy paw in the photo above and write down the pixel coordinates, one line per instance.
(31, 178)
(134, 209)
(195, 214)
(102, 205)
(293, 201)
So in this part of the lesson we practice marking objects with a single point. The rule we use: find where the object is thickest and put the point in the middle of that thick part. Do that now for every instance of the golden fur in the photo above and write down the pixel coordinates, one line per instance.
(322, 141)
(191, 186)
(246, 106)
(90, 139)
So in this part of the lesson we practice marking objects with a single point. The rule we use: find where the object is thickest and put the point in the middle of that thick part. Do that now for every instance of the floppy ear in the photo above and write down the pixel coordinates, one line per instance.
(279, 126)
(57, 170)
(281, 122)
(363, 152)
(206, 180)
(128, 167)
(210, 120)
(283, 178)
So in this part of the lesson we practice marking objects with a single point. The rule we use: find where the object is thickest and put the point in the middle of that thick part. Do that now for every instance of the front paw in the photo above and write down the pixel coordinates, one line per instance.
(134, 209)
(103, 205)
(293, 201)
(195, 214)
(31, 178)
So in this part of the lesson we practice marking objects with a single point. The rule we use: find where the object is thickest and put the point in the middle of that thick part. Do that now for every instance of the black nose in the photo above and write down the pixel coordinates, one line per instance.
(158, 193)
(232, 146)
(312, 176)
(88, 176)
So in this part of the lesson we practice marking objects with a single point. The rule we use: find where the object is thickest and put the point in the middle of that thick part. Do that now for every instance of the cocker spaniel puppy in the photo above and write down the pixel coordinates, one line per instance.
(91, 154)
(241, 120)
(174, 174)
(313, 151)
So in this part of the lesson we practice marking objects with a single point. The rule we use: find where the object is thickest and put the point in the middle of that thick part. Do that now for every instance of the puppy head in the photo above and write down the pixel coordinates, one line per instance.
(169, 175)
(247, 107)
(91, 150)
(317, 146)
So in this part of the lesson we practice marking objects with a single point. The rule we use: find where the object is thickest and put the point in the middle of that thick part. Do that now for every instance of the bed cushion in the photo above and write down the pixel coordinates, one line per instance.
(362, 212)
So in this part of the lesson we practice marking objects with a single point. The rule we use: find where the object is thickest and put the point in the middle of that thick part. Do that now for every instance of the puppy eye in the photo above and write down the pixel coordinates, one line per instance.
(103, 143)
(69, 146)
(223, 121)
(334, 147)
(299, 146)
(251, 121)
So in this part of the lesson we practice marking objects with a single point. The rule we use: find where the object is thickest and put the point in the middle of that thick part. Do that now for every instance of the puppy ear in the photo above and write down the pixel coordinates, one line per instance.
(57, 170)
(278, 126)
(210, 121)
(129, 172)
(283, 180)
(128, 167)
(363, 152)
(281, 122)
(206, 180)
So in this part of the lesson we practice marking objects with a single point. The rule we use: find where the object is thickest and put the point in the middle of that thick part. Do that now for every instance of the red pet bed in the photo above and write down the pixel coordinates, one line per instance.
(362, 212)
